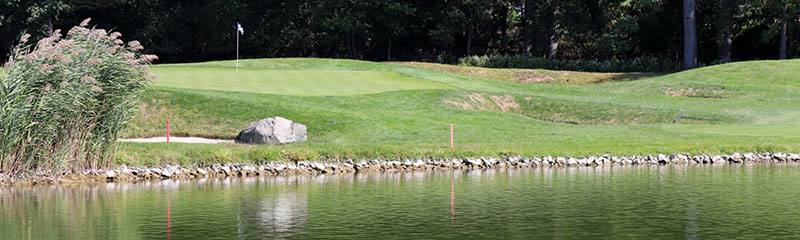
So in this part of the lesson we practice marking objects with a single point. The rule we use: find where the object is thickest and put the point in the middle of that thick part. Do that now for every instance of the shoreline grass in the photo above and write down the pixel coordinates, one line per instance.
(65, 100)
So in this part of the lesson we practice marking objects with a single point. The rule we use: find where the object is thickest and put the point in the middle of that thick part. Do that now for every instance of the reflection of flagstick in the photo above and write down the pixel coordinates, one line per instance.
(239, 223)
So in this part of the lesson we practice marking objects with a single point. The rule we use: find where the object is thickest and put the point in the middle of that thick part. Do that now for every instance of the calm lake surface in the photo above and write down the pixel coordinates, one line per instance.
(644, 202)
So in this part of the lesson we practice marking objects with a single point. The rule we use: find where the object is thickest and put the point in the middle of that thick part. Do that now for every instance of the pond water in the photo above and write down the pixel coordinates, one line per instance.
(645, 202)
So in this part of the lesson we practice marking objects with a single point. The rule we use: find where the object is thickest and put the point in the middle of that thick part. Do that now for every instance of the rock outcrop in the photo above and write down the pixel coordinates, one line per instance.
(275, 130)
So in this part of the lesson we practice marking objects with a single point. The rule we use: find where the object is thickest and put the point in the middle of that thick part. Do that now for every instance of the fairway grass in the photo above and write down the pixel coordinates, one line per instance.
(395, 111)
(787, 125)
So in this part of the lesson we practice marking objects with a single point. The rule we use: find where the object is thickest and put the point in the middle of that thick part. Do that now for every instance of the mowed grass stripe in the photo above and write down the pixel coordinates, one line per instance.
(310, 82)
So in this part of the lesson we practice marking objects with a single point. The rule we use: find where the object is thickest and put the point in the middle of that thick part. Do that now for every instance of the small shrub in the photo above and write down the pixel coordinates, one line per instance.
(640, 64)
(63, 101)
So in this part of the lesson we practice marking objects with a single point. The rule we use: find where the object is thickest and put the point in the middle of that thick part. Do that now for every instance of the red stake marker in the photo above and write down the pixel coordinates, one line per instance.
(167, 130)
(451, 136)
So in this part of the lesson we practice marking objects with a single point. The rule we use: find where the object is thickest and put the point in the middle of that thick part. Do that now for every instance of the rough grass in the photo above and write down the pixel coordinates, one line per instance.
(573, 111)
(758, 112)
(532, 75)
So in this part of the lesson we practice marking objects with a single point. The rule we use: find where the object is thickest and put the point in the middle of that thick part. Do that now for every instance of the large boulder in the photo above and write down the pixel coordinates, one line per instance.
(275, 130)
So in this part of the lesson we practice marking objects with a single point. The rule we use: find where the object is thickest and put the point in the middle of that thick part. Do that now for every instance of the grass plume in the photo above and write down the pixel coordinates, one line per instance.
(64, 100)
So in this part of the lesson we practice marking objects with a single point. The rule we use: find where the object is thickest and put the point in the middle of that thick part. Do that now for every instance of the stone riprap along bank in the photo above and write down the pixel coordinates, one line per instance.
(124, 173)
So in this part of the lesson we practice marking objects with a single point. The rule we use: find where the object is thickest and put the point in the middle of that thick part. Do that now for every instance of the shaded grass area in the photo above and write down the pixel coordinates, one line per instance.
(512, 118)
(532, 75)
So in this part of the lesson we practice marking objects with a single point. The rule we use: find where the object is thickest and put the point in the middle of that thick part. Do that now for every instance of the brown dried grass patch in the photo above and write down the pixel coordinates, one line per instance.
(485, 102)
(691, 92)
(535, 79)
(153, 109)
(531, 76)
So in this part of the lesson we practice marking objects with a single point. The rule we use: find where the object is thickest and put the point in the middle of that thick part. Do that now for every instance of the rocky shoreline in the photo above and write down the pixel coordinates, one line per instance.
(133, 174)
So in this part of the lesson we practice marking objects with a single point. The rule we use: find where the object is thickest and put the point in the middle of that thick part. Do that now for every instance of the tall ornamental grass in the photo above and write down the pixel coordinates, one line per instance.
(64, 100)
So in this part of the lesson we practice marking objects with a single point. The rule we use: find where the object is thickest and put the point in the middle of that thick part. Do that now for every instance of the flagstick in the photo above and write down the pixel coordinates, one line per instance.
(237, 49)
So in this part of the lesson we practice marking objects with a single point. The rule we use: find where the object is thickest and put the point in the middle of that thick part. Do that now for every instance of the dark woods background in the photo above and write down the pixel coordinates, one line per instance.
(422, 30)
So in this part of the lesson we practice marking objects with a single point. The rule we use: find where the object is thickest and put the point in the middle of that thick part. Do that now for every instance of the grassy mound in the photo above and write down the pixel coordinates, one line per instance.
(764, 80)
(757, 111)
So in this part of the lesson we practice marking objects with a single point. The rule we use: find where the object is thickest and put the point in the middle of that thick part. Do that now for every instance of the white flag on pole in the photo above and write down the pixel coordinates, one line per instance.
(240, 30)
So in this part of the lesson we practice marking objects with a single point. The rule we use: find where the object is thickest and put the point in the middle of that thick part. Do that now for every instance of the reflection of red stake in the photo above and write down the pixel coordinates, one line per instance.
(169, 224)
(451, 136)
(167, 130)
(452, 201)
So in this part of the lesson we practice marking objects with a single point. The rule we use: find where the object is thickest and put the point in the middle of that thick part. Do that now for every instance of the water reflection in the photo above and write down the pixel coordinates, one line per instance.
(691, 221)
(284, 214)
(169, 223)
(568, 203)
(452, 202)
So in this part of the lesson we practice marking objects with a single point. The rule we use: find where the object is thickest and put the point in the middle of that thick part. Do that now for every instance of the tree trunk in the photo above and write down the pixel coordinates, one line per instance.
(449, 50)
(689, 35)
(554, 34)
(469, 40)
(527, 14)
(358, 45)
(504, 29)
(49, 26)
(350, 46)
(782, 54)
(389, 51)
(725, 28)
(355, 53)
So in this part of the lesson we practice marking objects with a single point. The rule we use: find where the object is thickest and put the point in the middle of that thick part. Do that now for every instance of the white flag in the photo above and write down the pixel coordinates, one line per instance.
(240, 28)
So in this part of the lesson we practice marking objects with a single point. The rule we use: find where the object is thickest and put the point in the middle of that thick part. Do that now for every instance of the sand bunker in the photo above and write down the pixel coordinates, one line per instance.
(176, 140)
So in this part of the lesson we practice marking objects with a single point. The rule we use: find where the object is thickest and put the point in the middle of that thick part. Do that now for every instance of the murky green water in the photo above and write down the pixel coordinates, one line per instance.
(663, 202)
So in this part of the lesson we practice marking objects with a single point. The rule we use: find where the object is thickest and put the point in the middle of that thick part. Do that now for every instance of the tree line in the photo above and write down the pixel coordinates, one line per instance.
(705, 31)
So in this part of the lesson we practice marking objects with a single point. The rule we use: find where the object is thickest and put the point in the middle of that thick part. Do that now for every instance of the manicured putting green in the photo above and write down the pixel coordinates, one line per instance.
(290, 81)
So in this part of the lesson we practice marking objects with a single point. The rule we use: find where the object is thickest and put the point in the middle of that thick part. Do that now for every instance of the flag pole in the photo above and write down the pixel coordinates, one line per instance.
(237, 48)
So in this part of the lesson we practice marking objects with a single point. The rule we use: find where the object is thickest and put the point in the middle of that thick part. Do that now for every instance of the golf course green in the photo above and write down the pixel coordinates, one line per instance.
(357, 109)
(290, 82)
